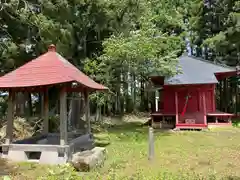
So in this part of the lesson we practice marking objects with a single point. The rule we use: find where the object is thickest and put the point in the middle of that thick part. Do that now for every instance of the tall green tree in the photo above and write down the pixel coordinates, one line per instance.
(130, 56)
(117, 43)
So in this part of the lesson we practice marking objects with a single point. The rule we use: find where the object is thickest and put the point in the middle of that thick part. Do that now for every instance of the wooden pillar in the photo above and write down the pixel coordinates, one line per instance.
(86, 99)
(204, 108)
(156, 100)
(150, 144)
(10, 116)
(63, 116)
(46, 112)
(230, 119)
(216, 120)
(41, 95)
(176, 106)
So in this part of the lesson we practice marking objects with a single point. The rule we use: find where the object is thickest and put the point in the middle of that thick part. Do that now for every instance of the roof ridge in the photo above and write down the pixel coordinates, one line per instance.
(68, 64)
(211, 62)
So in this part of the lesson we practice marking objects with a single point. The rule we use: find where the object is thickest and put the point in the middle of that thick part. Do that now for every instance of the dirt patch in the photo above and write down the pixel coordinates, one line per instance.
(6, 167)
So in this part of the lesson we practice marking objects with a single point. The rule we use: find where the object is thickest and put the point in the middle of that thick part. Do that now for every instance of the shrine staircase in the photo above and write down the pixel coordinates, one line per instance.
(193, 120)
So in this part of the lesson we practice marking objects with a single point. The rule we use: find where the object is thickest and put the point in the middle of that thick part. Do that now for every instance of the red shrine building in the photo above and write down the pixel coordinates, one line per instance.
(187, 100)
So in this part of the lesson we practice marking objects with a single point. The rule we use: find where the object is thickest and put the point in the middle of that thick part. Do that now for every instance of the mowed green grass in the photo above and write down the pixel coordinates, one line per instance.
(178, 155)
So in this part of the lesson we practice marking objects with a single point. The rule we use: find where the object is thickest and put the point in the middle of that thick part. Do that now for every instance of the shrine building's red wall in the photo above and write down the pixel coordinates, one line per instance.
(195, 102)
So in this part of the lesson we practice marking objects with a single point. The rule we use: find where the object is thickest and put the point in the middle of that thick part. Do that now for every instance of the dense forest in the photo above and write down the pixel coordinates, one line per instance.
(121, 42)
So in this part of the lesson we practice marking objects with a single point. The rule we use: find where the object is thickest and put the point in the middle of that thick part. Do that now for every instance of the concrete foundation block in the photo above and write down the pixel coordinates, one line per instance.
(62, 160)
(15, 155)
(49, 157)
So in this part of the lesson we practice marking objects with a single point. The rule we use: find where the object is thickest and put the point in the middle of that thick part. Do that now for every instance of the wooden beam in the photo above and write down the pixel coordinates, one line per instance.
(75, 89)
(176, 106)
(86, 99)
(150, 143)
(46, 112)
(63, 116)
(10, 116)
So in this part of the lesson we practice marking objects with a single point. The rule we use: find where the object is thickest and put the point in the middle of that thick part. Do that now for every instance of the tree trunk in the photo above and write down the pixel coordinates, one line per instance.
(134, 93)
(98, 113)
(127, 104)
(118, 95)
(142, 95)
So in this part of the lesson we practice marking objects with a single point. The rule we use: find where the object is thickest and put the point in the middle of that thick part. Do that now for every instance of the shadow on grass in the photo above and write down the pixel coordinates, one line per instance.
(134, 127)
(232, 178)
(101, 141)
(224, 178)
(129, 132)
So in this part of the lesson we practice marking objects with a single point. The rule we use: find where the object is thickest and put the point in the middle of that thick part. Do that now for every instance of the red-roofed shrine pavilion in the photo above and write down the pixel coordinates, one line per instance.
(38, 75)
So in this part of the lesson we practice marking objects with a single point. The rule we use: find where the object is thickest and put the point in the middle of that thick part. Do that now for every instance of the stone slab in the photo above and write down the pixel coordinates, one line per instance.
(90, 159)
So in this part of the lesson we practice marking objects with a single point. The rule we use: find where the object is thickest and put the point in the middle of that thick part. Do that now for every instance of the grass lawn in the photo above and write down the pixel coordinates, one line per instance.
(178, 155)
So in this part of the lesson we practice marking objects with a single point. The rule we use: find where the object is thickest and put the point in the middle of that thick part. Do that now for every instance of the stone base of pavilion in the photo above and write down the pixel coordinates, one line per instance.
(46, 149)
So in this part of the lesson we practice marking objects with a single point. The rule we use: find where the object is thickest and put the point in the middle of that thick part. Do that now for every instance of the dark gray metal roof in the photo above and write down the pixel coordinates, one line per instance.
(197, 71)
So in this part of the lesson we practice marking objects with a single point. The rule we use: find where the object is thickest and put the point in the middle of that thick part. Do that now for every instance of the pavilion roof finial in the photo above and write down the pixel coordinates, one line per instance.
(52, 47)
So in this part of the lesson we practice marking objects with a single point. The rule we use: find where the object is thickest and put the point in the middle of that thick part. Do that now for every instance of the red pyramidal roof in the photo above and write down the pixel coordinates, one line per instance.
(48, 69)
